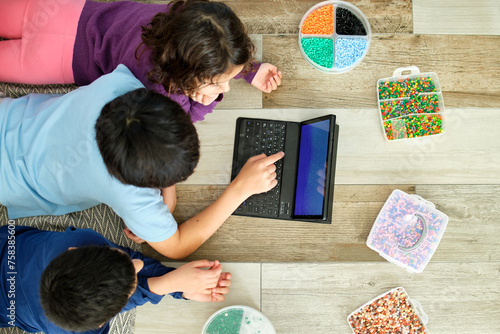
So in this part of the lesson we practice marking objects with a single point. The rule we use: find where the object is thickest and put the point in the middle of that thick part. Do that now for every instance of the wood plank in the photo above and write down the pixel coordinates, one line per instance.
(474, 220)
(467, 153)
(184, 316)
(244, 239)
(317, 298)
(466, 66)
(480, 17)
(284, 16)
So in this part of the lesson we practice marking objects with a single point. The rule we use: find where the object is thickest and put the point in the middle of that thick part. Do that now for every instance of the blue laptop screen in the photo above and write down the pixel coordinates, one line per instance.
(310, 189)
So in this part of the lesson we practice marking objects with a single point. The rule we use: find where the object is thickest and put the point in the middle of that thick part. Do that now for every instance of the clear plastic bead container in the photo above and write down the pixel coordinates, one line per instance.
(407, 231)
(410, 106)
(238, 319)
(391, 312)
(334, 36)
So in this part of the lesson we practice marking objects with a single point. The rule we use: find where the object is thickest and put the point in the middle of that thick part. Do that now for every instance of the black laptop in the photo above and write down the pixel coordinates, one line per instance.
(305, 174)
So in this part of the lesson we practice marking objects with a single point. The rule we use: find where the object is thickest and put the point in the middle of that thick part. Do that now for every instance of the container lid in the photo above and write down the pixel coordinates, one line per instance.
(407, 231)
(238, 319)
(410, 106)
(391, 312)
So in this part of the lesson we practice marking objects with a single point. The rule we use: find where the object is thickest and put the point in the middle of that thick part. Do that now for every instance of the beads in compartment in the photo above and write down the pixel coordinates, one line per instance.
(410, 106)
(407, 231)
(391, 313)
(334, 36)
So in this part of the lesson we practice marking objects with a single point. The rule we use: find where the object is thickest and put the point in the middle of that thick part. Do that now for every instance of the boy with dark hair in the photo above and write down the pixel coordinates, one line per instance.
(77, 280)
(138, 139)
(83, 288)
(113, 142)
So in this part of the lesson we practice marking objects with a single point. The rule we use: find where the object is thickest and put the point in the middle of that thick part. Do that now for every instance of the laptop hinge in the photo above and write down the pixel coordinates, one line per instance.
(289, 170)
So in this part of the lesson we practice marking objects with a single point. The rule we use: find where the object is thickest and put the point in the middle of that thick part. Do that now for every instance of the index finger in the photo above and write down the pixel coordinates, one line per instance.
(278, 79)
(202, 263)
(226, 275)
(273, 158)
(215, 271)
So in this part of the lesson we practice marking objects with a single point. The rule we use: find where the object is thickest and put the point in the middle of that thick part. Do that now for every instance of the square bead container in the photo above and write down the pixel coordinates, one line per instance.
(390, 313)
(407, 231)
(410, 106)
(334, 36)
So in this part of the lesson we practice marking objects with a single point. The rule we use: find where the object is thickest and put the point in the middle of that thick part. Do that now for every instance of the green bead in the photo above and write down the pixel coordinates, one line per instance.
(319, 50)
(228, 322)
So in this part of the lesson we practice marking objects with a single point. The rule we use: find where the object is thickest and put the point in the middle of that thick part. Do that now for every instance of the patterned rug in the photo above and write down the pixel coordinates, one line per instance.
(17, 90)
(101, 219)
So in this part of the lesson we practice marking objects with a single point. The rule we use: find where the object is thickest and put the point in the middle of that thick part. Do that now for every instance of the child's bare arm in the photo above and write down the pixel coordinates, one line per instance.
(194, 281)
(169, 197)
(257, 176)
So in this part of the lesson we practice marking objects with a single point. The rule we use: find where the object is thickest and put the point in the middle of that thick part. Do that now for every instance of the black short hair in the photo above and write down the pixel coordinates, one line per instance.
(147, 140)
(82, 289)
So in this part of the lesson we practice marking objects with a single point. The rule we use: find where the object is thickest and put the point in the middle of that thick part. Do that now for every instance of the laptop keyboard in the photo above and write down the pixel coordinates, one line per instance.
(264, 137)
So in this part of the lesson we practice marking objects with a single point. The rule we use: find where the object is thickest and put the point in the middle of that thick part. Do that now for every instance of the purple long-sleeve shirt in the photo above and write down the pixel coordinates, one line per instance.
(108, 35)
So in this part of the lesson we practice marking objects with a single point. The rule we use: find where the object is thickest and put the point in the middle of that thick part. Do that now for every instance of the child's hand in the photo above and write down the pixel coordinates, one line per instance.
(268, 78)
(217, 293)
(192, 279)
(204, 99)
(258, 175)
(132, 236)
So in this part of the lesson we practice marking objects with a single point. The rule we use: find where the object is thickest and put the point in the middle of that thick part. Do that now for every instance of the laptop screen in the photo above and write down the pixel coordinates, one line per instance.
(313, 152)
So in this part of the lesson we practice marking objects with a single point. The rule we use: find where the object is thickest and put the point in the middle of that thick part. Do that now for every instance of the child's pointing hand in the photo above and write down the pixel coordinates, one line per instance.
(258, 175)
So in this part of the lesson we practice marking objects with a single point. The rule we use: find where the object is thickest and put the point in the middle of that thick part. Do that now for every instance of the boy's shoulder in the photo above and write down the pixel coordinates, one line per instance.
(53, 240)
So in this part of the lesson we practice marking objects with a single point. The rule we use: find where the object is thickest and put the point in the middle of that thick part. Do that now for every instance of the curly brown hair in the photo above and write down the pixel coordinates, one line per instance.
(193, 42)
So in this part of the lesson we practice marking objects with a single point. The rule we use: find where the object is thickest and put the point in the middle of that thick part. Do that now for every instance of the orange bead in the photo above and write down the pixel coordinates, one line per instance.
(319, 22)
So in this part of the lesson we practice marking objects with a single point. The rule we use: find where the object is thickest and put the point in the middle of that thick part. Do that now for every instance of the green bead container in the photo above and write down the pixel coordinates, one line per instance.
(411, 105)
(238, 320)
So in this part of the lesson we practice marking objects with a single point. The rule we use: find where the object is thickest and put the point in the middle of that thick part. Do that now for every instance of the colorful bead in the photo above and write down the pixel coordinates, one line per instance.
(413, 126)
(391, 313)
(405, 88)
(228, 322)
(348, 51)
(426, 104)
(348, 23)
(410, 108)
(400, 226)
(319, 22)
(319, 50)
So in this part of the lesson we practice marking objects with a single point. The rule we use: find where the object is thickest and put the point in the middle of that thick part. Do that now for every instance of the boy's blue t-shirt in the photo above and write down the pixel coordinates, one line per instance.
(34, 249)
(50, 163)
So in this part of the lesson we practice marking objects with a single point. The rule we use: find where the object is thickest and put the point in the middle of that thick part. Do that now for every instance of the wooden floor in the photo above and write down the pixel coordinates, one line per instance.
(307, 278)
